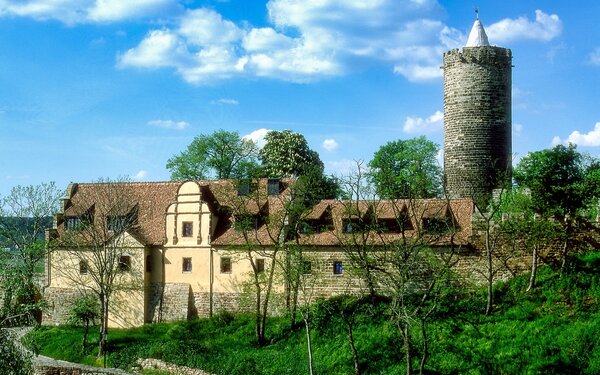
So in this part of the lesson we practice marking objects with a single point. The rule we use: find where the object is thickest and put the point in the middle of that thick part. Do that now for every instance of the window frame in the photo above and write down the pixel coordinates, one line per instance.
(124, 264)
(225, 265)
(260, 265)
(186, 265)
(84, 267)
(338, 267)
(184, 229)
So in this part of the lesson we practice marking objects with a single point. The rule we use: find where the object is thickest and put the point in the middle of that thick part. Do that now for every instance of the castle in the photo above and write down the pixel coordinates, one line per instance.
(188, 249)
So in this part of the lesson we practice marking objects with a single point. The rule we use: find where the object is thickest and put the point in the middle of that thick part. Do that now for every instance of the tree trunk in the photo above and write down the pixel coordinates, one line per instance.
(408, 349)
(563, 263)
(425, 347)
(308, 345)
(258, 329)
(353, 348)
(534, 264)
(490, 269)
(102, 345)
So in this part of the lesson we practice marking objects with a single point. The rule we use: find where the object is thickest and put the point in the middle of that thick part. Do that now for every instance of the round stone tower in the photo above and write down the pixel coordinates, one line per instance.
(477, 117)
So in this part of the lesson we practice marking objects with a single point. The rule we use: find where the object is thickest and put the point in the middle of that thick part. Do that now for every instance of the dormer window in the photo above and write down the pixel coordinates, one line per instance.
(72, 223)
(116, 223)
(248, 222)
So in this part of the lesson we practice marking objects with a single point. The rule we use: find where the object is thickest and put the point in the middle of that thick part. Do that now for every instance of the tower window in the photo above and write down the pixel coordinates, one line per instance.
(188, 229)
(148, 263)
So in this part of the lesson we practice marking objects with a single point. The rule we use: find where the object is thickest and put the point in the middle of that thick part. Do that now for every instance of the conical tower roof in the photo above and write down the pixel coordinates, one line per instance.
(477, 37)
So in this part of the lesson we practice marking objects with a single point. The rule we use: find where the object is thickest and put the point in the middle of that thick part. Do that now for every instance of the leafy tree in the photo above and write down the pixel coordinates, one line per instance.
(12, 360)
(85, 312)
(25, 214)
(286, 154)
(557, 180)
(220, 155)
(406, 169)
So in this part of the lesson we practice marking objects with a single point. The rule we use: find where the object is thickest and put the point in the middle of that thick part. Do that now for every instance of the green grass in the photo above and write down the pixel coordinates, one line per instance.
(554, 329)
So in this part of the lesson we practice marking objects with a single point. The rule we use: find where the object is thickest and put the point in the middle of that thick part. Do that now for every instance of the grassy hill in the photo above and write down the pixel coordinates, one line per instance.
(554, 329)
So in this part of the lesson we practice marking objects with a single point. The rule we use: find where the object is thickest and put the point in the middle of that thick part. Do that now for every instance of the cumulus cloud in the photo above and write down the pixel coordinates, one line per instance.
(169, 124)
(258, 136)
(81, 11)
(306, 41)
(590, 139)
(140, 176)
(594, 57)
(330, 145)
(544, 28)
(419, 125)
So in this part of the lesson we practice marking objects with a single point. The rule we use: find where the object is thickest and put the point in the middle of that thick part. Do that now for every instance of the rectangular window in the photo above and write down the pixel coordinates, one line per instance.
(124, 263)
(188, 229)
(225, 265)
(306, 267)
(260, 265)
(116, 223)
(186, 265)
(148, 263)
(72, 222)
(83, 267)
(273, 186)
(338, 267)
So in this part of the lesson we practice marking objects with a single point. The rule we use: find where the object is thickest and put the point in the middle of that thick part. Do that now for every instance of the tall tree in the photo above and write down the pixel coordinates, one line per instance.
(25, 214)
(286, 154)
(220, 155)
(406, 169)
(556, 178)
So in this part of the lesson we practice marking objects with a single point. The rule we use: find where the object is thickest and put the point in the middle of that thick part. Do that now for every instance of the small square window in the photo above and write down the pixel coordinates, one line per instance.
(83, 267)
(260, 265)
(338, 267)
(124, 263)
(306, 267)
(186, 265)
(225, 265)
(188, 229)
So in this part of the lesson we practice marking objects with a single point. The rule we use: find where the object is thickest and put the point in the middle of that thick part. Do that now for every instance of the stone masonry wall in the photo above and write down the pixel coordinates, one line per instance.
(477, 119)
(59, 302)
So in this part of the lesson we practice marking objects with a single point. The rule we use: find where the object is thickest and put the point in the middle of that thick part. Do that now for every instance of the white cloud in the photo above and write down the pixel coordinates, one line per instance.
(594, 57)
(545, 28)
(330, 145)
(140, 176)
(308, 41)
(258, 136)
(169, 124)
(225, 101)
(590, 139)
(80, 11)
(419, 125)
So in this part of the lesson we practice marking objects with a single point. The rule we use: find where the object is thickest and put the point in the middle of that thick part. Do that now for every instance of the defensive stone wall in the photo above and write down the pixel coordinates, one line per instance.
(477, 120)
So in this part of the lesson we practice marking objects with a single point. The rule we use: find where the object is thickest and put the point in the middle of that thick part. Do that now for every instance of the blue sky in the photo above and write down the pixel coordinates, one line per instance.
(107, 88)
